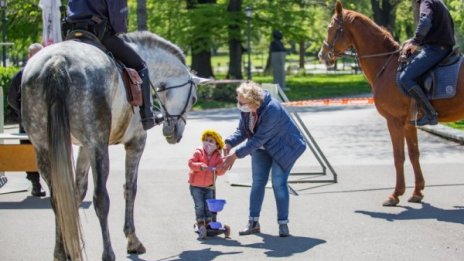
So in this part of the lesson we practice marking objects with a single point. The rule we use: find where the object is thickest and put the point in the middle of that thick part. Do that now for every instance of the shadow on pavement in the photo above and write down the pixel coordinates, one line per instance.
(426, 212)
(31, 202)
(275, 247)
(202, 254)
(286, 247)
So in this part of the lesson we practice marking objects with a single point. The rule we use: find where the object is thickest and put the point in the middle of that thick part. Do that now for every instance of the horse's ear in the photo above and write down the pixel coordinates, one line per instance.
(198, 80)
(338, 8)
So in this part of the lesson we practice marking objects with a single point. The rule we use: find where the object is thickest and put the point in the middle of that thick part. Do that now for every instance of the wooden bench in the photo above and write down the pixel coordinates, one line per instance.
(16, 157)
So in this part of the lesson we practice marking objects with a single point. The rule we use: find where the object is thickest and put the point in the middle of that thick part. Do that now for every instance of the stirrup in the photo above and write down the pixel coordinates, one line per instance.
(428, 119)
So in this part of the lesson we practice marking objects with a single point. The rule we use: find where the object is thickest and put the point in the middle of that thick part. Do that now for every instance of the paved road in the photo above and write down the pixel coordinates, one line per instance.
(343, 221)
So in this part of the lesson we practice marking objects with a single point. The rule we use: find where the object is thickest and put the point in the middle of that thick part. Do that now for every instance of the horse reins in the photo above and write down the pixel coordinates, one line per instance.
(332, 53)
(180, 115)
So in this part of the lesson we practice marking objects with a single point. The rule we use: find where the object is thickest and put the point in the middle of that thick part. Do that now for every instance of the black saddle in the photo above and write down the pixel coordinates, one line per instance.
(131, 79)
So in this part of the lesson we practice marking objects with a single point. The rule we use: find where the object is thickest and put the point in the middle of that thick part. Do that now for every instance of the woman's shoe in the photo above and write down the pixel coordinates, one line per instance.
(251, 228)
(283, 230)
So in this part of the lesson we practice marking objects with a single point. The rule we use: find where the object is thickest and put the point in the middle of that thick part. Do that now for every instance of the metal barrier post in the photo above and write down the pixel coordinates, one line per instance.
(279, 94)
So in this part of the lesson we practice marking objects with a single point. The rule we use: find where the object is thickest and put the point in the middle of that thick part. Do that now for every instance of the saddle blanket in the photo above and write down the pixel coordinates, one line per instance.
(444, 81)
(440, 82)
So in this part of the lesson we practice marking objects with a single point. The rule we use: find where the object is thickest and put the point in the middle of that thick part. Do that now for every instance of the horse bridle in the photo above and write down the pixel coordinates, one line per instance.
(170, 116)
(332, 53)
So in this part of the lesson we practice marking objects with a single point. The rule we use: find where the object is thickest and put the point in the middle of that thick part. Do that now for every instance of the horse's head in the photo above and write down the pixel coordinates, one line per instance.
(337, 40)
(176, 97)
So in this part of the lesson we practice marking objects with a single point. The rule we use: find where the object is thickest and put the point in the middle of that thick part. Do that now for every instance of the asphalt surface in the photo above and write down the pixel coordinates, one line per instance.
(342, 221)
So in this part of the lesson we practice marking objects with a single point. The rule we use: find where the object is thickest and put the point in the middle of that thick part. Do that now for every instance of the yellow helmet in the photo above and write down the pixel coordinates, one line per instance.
(215, 135)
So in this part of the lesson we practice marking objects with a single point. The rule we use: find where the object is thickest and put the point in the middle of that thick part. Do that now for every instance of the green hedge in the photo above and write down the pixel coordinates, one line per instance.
(6, 74)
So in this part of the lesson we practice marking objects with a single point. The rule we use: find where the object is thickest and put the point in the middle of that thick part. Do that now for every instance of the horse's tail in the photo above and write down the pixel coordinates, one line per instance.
(57, 81)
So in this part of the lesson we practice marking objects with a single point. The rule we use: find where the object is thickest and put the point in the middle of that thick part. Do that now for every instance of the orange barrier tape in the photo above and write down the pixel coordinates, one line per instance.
(329, 102)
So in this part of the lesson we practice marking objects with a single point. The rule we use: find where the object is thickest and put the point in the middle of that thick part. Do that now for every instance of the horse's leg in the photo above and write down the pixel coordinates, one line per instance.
(134, 150)
(100, 170)
(410, 133)
(43, 164)
(82, 172)
(395, 127)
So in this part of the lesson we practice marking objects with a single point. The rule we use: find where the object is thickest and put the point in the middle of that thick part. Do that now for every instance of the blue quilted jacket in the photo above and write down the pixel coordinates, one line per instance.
(274, 130)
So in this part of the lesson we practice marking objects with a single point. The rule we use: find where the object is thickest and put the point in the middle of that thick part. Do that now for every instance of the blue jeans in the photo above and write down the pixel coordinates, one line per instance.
(429, 56)
(262, 165)
(200, 195)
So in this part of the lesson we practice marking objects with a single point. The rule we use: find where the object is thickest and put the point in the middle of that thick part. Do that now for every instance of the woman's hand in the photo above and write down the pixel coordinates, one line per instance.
(227, 149)
(228, 162)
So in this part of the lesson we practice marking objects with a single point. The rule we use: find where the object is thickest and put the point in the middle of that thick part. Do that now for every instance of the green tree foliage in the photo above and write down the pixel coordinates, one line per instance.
(301, 21)
(457, 10)
(24, 25)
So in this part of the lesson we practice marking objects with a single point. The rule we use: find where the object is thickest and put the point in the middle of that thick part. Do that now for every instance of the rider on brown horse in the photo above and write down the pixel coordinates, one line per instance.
(435, 34)
(106, 22)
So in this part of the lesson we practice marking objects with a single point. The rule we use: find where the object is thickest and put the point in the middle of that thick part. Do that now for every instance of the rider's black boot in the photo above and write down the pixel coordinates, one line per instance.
(149, 119)
(36, 187)
(431, 115)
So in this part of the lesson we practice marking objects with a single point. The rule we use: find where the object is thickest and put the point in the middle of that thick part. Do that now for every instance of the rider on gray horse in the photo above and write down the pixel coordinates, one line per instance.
(435, 34)
(106, 22)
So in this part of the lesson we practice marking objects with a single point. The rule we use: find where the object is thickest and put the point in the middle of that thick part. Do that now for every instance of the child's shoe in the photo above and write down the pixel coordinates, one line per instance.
(226, 231)
(202, 232)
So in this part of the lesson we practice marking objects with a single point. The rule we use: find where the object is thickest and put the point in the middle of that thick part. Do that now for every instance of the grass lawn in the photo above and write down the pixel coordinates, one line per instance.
(457, 125)
(318, 86)
(303, 87)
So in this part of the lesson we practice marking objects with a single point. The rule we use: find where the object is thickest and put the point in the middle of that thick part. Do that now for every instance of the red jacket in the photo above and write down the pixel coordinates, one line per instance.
(203, 178)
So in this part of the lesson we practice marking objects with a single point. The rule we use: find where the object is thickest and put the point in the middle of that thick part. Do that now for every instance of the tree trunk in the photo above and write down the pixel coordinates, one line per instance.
(142, 15)
(385, 12)
(235, 43)
(201, 59)
(302, 55)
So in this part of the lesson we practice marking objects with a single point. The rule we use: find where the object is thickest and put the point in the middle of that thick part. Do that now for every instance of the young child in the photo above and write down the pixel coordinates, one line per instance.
(202, 177)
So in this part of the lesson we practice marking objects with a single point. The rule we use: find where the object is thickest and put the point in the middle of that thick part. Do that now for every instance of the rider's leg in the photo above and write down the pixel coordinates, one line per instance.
(428, 57)
(130, 58)
(33, 177)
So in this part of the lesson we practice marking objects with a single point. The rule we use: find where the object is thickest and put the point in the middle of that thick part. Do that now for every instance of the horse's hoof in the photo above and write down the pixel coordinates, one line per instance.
(391, 202)
(140, 249)
(415, 199)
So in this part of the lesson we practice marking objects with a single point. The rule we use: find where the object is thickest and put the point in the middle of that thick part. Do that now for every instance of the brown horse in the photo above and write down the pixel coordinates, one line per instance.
(378, 56)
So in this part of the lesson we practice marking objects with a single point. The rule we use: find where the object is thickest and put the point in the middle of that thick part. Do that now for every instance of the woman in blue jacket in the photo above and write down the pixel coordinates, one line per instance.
(274, 143)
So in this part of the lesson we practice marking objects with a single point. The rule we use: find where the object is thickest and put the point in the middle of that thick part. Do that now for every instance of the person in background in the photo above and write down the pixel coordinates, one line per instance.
(435, 36)
(274, 143)
(278, 54)
(14, 100)
(203, 171)
(107, 21)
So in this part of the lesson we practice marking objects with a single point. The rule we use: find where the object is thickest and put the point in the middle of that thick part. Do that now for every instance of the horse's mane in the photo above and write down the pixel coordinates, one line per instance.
(151, 40)
(389, 41)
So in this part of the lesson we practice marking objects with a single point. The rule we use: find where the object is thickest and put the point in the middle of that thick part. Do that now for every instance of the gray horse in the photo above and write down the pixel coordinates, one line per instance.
(72, 93)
